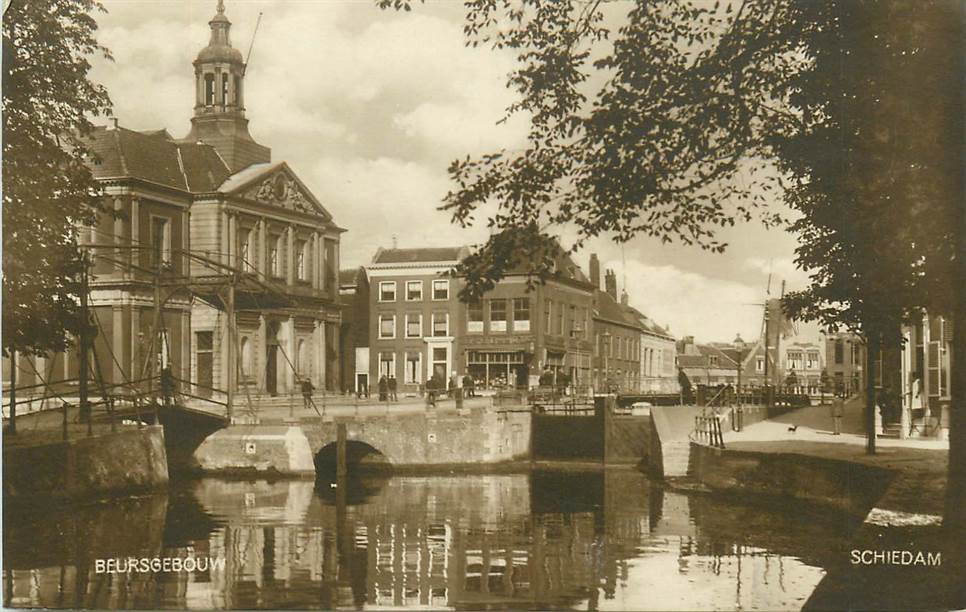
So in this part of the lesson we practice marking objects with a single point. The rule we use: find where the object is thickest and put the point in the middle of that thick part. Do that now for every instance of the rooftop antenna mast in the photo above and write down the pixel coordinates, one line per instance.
(251, 45)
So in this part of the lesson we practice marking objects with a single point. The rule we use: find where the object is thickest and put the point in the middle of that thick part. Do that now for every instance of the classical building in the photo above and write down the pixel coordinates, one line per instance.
(212, 255)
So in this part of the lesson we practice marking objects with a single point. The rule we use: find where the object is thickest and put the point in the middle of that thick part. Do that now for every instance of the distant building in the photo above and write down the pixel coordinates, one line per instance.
(419, 327)
(705, 364)
(802, 366)
(845, 362)
(659, 372)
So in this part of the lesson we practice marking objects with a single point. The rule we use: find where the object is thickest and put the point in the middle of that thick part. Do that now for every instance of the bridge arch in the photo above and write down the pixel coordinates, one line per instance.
(359, 456)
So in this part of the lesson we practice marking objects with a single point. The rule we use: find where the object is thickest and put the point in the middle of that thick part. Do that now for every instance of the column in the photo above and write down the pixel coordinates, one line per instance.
(322, 264)
(290, 256)
(232, 238)
(263, 247)
(224, 350)
(225, 248)
(186, 345)
(117, 342)
(320, 353)
(290, 352)
(135, 353)
(119, 254)
(315, 260)
(135, 237)
(260, 349)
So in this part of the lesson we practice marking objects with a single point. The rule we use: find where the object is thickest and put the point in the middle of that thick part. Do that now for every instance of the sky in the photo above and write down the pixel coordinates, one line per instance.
(369, 107)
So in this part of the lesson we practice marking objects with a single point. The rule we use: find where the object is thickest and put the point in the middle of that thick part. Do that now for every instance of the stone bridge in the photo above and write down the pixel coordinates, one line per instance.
(431, 438)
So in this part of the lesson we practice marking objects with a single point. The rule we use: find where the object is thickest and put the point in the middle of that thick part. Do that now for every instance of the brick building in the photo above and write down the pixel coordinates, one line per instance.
(354, 332)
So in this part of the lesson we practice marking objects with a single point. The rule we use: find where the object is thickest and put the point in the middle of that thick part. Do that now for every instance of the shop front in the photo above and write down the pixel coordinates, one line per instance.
(498, 368)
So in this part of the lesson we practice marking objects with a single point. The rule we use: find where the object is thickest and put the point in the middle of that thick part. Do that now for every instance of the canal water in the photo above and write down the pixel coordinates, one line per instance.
(602, 541)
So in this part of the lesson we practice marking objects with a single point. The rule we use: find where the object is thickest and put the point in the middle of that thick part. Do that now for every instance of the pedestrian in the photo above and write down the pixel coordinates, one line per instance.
(392, 389)
(431, 392)
(383, 388)
(838, 411)
(167, 385)
(307, 389)
(468, 386)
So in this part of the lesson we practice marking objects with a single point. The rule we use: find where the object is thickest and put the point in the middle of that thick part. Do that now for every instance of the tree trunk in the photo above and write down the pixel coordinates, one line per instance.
(872, 345)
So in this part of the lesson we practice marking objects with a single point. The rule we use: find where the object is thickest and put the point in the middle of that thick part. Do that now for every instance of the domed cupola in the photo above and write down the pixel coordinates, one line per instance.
(219, 113)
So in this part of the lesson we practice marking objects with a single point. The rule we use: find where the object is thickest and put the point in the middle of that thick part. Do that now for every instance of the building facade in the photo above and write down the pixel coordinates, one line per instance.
(414, 316)
(354, 331)
(214, 261)
(845, 362)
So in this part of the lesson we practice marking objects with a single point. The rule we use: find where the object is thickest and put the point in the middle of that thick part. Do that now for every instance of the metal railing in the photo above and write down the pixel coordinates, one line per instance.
(707, 430)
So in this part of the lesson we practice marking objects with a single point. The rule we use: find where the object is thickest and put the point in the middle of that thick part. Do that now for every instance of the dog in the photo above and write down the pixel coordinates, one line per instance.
(793, 428)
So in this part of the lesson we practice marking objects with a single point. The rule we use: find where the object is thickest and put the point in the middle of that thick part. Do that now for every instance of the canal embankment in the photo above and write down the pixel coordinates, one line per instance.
(129, 460)
(899, 557)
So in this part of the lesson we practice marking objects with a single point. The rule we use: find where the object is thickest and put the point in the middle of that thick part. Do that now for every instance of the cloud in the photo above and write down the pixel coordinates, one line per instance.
(781, 269)
(693, 304)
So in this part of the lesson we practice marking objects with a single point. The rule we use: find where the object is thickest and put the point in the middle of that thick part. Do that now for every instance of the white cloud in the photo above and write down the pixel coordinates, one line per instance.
(693, 304)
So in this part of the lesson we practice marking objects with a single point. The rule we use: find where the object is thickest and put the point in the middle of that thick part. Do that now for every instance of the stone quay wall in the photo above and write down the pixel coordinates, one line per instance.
(129, 460)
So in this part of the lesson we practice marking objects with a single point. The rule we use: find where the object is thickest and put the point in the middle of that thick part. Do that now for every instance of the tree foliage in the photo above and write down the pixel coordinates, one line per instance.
(48, 189)
(875, 167)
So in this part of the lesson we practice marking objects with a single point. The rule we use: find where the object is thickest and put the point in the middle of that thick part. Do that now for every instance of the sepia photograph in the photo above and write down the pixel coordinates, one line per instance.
(483, 305)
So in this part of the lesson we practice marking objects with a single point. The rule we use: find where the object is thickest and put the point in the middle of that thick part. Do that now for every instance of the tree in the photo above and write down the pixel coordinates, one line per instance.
(871, 171)
(48, 189)
(686, 97)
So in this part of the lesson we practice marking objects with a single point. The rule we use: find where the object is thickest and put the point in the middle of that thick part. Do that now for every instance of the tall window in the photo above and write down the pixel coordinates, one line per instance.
(160, 241)
(759, 364)
(521, 314)
(440, 324)
(560, 320)
(387, 326)
(498, 315)
(414, 291)
(548, 314)
(839, 352)
(300, 261)
(224, 89)
(413, 373)
(414, 325)
(573, 321)
(274, 261)
(387, 291)
(474, 320)
(440, 289)
(812, 362)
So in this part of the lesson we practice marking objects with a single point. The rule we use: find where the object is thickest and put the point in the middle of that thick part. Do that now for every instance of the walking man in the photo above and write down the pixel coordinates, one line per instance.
(392, 389)
(307, 389)
(838, 411)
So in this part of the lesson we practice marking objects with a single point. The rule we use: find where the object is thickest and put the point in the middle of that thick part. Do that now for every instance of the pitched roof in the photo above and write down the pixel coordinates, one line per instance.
(609, 309)
(418, 255)
(647, 324)
(152, 156)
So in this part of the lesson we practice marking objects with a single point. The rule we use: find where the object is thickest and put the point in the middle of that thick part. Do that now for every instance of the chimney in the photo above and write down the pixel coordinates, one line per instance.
(624, 298)
(595, 270)
(610, 283)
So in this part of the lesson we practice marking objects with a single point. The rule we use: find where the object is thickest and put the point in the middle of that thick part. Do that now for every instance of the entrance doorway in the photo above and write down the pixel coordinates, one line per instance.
(362, 384)
(271, 358)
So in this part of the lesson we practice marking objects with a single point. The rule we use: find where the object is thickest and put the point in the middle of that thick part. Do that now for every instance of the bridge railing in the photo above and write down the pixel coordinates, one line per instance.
(707, 430)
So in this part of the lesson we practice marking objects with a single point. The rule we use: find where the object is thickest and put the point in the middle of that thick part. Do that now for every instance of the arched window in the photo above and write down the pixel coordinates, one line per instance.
(209, 89)
(246, 356)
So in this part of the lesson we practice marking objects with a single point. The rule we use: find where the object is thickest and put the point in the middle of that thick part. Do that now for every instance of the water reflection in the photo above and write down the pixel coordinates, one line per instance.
(547, 539)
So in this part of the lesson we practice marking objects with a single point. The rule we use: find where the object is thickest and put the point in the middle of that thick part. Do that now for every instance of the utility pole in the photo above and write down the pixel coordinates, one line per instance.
(85, 408)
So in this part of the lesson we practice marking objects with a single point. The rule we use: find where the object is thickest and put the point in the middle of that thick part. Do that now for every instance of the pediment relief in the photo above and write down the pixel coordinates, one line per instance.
(283, 191)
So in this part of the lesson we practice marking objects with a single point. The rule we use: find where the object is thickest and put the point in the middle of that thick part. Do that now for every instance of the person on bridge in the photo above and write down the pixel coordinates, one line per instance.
(307, 389)
(167, 385)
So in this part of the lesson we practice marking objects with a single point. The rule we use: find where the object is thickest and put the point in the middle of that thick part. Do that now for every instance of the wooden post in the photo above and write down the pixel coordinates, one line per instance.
(340, 441)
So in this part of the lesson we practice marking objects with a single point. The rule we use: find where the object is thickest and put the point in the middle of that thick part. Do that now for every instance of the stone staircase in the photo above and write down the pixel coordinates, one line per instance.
(891, 430)
(676, 455)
